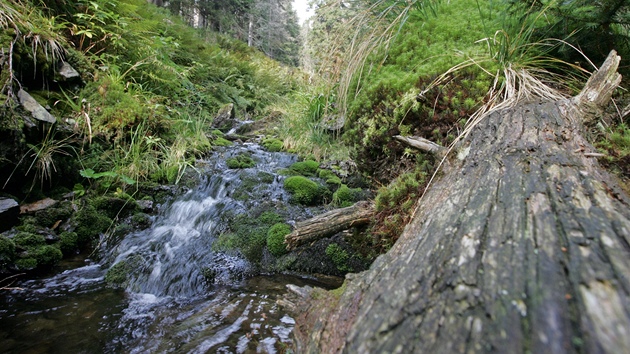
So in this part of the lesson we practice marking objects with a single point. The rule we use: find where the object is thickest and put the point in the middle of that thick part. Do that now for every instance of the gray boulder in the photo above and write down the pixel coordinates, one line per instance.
(37, 111)
(9, 211)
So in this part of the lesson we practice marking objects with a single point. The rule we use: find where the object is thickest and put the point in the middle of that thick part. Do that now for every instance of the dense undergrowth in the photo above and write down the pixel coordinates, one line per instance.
(148, 89)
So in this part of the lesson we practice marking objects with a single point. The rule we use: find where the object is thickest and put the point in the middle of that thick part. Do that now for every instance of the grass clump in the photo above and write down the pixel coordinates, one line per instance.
(305, 191)
(275, 239)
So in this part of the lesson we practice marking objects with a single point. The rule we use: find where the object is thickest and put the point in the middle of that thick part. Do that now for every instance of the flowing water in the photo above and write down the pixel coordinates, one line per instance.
(168, 304)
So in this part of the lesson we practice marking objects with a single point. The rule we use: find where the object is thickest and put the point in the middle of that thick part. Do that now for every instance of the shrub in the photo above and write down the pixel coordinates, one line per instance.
(304, 191)
(275, 239)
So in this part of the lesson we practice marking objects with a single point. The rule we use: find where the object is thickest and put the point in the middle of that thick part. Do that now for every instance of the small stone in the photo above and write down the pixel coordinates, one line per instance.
(37, 111)
(67, 72)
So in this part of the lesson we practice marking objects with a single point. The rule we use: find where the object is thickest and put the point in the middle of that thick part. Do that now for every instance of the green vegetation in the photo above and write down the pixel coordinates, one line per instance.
(273, 144)
(339, 256)
(240, 161)
(275, 239)
(306, 168)
(345, 196)
(7, 251)
(247, 235)
(305, 191)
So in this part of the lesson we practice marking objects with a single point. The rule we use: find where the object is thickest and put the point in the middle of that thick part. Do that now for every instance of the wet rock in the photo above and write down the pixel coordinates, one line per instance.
(37, 206)
(225, 118)
(37, 111)
(9, 211)
(67, 72)
(145, 206)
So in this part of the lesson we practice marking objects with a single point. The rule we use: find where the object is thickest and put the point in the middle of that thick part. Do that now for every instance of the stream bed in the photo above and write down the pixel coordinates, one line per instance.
(167, 303)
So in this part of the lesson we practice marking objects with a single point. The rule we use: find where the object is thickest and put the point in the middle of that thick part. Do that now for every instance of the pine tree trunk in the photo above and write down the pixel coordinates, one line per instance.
(523, 245)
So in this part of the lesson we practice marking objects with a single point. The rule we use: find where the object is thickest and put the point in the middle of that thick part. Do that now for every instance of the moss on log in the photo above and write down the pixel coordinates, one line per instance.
(523, 245)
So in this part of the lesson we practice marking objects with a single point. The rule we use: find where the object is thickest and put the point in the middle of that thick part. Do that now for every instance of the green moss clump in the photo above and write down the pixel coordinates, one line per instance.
(247, 235)
(7, 251)
(275, 239)
(305, 191)
(220, 141)
(240, 161)
(27, 240)
(117, 275)
(114, 206)
(90, 223)
(47, 256)
(345, 196)
(329, 176)
(305, 168)
(26, 263)
(273, 145)
(68, 243)
(339, 256)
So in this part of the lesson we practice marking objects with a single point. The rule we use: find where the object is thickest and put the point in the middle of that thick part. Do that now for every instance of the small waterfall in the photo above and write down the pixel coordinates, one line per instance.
(168, 305)
(168, 258)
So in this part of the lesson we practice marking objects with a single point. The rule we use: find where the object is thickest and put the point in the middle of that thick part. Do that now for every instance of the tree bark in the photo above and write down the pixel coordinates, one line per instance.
(521, 246)
(329, 223)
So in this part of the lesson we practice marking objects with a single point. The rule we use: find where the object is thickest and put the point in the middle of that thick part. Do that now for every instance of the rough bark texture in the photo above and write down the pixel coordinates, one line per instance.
(523, 246)
(329, 223)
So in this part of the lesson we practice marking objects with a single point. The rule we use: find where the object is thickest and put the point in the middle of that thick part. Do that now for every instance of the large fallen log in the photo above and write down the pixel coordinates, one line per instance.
(329, 223)
(521, 246)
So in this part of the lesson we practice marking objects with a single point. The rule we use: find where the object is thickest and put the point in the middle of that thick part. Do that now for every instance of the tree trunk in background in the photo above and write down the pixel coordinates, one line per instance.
(523, 245)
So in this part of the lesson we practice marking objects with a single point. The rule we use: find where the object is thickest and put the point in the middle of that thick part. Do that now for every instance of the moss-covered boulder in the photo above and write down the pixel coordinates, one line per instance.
(275, 239)
(247, 235)
(7, 252)
(272, 144)
(306, 168)
(305, 191)
(345, 196)
(240, 161)
(90, 223)
(68, 243)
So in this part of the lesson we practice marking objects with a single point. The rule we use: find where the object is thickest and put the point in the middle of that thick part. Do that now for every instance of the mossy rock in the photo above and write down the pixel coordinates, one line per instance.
(49, 216)
(7, 251)
(306, 168)
(330, 177)
(240, 161)
(275, 239)
(221, 141)
(68, 243)
(114, 206)
(27, 240)
(90, 223)
(24, 264)
(305, 191)
(345, 196)
(47, 256)
(118, 274)
(247, 235)
(273, 144)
